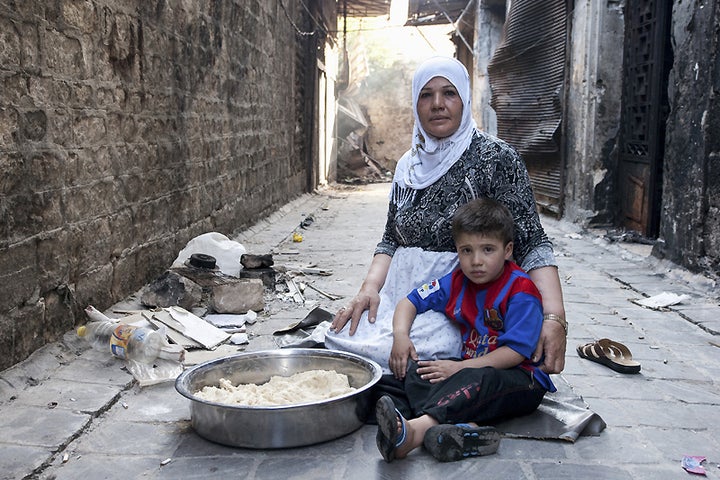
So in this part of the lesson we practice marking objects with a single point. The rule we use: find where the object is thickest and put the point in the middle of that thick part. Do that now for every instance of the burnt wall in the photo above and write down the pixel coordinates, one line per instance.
(128, 127)
(690, 222)
(593, 111)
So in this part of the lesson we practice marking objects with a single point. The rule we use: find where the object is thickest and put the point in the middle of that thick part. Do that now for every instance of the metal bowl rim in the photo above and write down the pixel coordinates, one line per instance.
(374, 368)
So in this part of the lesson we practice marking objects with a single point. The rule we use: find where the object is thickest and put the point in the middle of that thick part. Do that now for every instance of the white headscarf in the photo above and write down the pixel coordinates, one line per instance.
(429, 158)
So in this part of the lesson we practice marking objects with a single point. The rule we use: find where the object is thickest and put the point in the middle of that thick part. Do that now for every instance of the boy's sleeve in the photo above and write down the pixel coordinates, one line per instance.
(432, 295)
(523, 322)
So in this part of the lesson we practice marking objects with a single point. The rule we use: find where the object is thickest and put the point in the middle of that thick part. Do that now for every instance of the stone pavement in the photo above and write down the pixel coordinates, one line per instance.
(69, 412)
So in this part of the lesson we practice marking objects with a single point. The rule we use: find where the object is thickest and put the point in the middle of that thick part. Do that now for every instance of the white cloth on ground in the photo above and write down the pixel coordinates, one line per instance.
(432, 333)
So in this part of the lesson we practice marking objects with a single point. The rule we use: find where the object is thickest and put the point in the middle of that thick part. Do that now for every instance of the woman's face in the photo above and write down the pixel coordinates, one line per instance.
(439, 108)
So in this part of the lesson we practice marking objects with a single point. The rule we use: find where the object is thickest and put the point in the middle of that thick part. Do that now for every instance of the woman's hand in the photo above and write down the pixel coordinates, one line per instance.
(402, 349)
(552, 344)
(366, 299)
(436, 371)
(553, 339)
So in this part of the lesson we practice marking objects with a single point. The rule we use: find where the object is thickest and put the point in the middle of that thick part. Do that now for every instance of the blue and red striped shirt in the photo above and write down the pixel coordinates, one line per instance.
(505, 312)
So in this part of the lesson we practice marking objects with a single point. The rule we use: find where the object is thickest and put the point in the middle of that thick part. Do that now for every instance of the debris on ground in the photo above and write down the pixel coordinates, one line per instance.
(662, 300)
(190, 326)
(307, 333)
(203, 304)
(226, 252)
(693, 464)
(170, 289)
(628, 236)
(231, 322)
(260, 267)
(239, 338)
(238, 297)
(257, 261)
(307, 221)
(291, 290)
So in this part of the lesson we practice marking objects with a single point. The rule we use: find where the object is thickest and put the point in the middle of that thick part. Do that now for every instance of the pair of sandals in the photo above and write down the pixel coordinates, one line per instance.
(612, 354)
(445, 442)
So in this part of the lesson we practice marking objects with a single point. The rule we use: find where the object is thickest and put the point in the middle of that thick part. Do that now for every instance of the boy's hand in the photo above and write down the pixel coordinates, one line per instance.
(436, 371)
(402, 349)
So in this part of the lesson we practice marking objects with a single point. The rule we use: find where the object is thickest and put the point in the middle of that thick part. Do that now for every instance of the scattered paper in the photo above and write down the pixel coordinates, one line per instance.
(239, 339)
(228, 320)
(665, 299)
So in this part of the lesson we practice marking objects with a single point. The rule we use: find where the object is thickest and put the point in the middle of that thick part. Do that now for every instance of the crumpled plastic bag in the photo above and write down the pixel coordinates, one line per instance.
(227, 252)
(159, 371)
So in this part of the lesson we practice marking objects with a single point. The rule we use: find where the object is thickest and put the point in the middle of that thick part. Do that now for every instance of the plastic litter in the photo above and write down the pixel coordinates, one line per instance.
(226, 252)
(130, 342)
(693, 464)
(149, 357)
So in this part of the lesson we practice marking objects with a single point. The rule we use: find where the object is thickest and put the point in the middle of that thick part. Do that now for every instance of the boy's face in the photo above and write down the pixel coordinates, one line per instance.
(481, 257)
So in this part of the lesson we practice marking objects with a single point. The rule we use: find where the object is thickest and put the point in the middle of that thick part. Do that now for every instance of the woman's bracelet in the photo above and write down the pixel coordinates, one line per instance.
(557, 318)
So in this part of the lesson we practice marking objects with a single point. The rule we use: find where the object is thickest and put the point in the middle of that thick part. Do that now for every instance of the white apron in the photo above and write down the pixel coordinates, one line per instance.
(434, 336)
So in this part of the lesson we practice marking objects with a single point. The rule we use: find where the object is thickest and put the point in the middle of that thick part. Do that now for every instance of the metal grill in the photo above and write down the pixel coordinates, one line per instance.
(641, 139)
(527, 74)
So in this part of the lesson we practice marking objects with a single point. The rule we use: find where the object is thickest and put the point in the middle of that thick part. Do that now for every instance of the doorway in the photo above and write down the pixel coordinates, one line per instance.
(647, 59)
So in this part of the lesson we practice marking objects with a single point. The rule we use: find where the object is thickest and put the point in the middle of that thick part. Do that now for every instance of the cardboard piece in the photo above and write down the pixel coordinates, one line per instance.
(191, 326)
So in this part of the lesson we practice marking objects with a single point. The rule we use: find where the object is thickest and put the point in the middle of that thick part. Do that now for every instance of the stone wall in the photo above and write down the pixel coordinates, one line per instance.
(690, 222)
(593, 111)
(128, 127)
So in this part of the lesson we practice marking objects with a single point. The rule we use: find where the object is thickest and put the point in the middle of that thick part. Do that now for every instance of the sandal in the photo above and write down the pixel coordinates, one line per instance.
(613, 355)
(449, 443)
(388, 438)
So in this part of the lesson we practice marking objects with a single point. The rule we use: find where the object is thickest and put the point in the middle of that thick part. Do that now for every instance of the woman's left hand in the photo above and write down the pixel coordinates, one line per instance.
(436, 371)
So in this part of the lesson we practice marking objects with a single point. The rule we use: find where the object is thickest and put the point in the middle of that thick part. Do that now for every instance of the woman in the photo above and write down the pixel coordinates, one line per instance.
(449, 163)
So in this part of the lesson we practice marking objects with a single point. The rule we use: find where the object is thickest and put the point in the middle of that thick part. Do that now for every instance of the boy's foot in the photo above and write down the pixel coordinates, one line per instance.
(448, 443)
(389, 435)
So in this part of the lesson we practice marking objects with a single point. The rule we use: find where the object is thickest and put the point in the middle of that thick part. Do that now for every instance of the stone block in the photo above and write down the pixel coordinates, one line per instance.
(10, 53)
(18, 275)
(238, 297)
(172, 289)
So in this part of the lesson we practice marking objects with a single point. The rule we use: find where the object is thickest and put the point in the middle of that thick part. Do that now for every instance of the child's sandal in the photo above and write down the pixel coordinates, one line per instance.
(388, 438)
(448, 443)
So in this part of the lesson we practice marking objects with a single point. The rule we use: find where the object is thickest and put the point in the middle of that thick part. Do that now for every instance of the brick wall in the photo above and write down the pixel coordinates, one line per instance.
(127, 127)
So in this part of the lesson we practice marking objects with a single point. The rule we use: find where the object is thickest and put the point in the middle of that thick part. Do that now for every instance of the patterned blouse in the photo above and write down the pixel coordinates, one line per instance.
(488, 168)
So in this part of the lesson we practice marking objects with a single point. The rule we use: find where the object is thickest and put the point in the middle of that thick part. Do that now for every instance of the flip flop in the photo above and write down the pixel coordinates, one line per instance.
(613, 355)
(449, 443)
(388, 438)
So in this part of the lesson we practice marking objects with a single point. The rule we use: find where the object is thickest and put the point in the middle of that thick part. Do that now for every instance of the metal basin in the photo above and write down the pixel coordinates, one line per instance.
(285, 425)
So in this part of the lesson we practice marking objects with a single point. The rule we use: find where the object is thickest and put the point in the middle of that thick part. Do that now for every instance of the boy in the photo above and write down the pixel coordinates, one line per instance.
(498, 310)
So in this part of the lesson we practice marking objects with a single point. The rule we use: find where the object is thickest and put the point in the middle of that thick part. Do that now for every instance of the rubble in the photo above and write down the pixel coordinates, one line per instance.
(238, 297)
(172, 289)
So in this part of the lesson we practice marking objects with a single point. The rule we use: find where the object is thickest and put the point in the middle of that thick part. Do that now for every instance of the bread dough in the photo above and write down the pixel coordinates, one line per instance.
(302, 387)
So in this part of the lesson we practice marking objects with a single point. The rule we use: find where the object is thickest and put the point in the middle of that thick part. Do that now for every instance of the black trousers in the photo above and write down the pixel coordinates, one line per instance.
(481, 395)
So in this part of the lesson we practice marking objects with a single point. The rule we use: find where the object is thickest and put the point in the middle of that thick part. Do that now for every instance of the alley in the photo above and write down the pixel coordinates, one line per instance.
(69, 412)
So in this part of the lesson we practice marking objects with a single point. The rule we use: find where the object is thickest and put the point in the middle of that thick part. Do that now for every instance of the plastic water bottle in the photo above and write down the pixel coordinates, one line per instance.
(130, 342)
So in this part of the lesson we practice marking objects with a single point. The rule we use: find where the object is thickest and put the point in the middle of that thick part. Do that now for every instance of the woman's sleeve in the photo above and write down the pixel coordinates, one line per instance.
(511, 186)
(388, 244)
